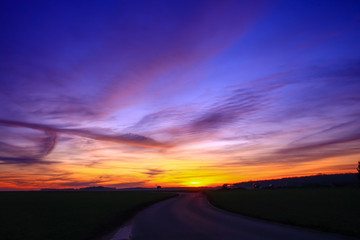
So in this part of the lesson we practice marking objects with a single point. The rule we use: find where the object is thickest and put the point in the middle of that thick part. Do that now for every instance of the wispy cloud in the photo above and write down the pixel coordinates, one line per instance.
(23, 160)
(115, 72)
(337, 140)
(24, 149)
(197, 122)
(153, 172)
(129, 139)
(46, 144)
(260, 129)
(240, 104)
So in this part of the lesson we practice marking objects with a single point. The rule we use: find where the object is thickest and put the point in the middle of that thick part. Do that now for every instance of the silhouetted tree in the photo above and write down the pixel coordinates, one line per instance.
(358, 169)
(225, 186)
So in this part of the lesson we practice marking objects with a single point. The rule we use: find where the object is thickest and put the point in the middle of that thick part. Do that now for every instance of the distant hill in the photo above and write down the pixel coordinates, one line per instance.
(308, 181)
(58, 189)
(174, 189)
(99, 188)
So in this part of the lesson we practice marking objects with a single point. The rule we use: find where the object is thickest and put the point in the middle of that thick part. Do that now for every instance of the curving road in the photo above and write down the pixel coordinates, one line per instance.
(190, 216)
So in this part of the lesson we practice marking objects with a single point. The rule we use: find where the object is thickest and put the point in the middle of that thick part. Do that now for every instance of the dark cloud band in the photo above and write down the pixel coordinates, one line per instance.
(128, 139)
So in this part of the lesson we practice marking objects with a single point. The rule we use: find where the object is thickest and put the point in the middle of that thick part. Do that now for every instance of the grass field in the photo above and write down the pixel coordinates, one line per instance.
(68, 215)
(328, 209)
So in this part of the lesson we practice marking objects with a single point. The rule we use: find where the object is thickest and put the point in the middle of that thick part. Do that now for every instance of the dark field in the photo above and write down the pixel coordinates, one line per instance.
(68, 215)
(329, 209)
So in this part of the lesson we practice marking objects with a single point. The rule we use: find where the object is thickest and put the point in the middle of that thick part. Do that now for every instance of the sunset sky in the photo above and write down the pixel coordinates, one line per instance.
(177, 93)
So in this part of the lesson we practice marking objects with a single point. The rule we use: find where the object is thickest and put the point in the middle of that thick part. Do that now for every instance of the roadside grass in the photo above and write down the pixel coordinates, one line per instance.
(69, 215)
(328, 209)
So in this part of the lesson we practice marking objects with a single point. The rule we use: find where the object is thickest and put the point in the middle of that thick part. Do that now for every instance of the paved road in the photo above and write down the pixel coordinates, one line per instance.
(190, 216)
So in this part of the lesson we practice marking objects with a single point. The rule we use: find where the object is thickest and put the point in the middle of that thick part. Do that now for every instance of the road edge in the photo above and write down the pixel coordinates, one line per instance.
(124, 231)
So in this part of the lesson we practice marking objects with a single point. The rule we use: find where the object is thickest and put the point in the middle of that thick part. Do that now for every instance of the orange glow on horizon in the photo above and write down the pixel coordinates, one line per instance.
(178, 173)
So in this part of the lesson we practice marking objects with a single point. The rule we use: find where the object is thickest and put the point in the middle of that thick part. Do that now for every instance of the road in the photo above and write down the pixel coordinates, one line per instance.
(190, 216)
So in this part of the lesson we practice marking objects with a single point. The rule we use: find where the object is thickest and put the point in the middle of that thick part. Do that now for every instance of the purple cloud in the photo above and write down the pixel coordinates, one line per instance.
(129, 139)
(15, 154)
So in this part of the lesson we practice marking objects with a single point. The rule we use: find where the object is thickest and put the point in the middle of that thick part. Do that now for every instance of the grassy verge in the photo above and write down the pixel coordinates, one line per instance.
(328, 209)
(68, 215)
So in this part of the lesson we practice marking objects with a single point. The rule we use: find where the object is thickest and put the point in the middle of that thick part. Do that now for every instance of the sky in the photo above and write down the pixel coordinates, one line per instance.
(177, 93)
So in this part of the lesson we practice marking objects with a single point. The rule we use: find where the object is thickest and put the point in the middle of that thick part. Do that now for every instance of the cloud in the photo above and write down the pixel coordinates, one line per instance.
(153, 172)
(40, 176)
(338, 139)
(302, 115)
(84, 72)
(197, 122)
(59, 107)
(288, 117)
(161, 119)
(105, 65)
(240, 103)
(128, 139)
(23, 160)
(13, 154)
(340, 133)
(48, 143)
(18, 150)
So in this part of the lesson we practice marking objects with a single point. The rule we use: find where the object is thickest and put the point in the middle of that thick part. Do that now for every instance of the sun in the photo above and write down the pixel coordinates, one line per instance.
(195, 183)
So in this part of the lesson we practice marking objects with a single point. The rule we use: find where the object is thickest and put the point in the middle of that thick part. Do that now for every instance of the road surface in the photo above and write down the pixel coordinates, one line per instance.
(191, 217)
